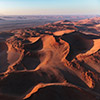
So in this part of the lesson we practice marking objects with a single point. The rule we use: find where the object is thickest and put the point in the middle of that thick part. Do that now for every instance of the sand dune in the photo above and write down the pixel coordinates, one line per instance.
(59, 91)
(50, 62)
(3, 55)
(60, 33)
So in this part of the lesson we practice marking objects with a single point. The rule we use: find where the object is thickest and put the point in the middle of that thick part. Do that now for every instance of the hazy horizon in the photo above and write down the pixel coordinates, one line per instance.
(54, 15)
(51, 7)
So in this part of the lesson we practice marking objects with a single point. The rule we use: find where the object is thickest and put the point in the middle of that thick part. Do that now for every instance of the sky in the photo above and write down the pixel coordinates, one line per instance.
(49, 7)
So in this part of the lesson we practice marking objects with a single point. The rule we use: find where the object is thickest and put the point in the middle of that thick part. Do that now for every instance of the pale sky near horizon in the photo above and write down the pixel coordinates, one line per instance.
(49, 7)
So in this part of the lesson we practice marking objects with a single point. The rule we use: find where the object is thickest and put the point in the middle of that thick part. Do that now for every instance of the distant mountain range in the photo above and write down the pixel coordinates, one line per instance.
(83, 23)
(49, 17)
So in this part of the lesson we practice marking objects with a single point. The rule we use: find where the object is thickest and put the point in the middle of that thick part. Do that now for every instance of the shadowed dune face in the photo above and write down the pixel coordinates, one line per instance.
(3, 54)
(50, 62)
(31, 60)
(3, 46)
(38, 45)
(59, 92)
(78, 44)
